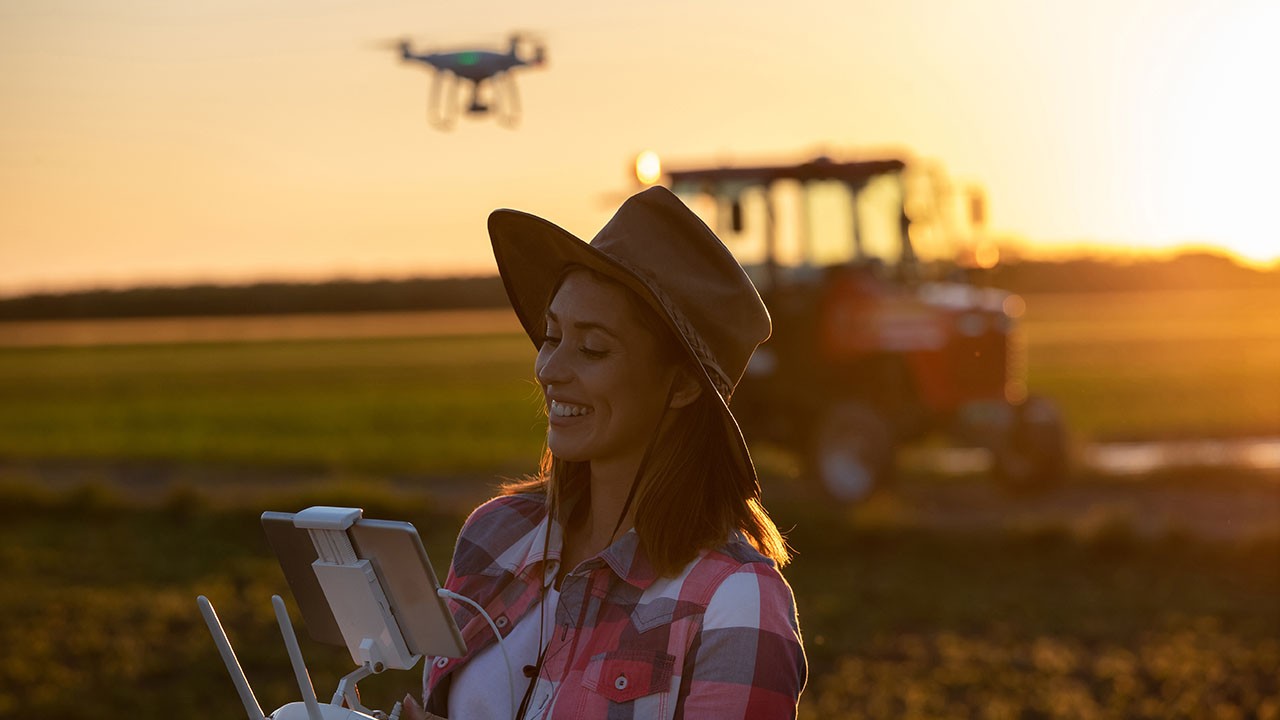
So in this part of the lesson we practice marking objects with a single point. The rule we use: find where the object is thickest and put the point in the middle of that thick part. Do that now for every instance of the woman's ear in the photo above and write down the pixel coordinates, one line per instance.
(687, 388)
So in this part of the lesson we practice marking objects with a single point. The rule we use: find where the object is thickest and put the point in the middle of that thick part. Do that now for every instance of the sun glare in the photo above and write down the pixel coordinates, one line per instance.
(1219, 111)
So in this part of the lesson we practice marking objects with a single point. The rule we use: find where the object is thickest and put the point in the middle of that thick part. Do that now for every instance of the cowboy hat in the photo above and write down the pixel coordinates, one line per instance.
(659, 249)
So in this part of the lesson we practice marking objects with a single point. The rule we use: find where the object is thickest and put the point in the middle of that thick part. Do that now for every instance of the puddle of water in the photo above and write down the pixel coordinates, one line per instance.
(1141, 457)
(1130, 458)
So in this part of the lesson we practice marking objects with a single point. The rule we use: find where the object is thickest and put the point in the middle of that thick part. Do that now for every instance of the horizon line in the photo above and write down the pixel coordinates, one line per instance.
(1010, 254)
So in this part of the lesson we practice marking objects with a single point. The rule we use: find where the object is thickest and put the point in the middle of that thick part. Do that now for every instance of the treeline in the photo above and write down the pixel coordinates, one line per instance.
(261, 299)
(1190, 271)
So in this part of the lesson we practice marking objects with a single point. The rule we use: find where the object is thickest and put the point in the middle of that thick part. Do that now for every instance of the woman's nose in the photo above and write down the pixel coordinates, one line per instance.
(550, 368)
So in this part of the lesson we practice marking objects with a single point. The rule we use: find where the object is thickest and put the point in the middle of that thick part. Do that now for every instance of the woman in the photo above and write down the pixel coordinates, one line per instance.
(637, 574)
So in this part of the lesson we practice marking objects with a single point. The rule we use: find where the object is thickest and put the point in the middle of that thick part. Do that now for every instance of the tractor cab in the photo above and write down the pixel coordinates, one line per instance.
(879, 335)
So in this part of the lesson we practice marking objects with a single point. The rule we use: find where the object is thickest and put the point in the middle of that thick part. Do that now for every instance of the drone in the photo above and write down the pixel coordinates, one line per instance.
(492, 89)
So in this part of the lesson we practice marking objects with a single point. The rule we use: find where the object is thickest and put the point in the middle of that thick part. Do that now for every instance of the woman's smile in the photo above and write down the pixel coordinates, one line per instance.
(567, 410)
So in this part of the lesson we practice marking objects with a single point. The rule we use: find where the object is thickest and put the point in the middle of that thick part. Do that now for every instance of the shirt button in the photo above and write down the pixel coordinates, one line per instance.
(621, 682)
(501, 621)
(442, 661)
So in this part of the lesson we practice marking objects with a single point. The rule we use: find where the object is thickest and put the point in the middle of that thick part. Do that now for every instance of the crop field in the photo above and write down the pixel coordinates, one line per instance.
(132, 477)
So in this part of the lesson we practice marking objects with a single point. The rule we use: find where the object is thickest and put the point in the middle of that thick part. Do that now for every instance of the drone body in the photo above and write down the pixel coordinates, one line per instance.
(486, 72)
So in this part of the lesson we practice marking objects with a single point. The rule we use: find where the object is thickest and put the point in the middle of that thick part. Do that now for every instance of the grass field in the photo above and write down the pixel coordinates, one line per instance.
(1140, 366)
(1156, 365)
(439, 405)
(1038, 619)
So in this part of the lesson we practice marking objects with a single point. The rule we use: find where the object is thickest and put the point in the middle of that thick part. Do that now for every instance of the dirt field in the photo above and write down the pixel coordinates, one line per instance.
(1234, 508)
(1209, 504)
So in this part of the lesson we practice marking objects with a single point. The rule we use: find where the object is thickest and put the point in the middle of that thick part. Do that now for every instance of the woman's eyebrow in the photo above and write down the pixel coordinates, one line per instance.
(584, 325)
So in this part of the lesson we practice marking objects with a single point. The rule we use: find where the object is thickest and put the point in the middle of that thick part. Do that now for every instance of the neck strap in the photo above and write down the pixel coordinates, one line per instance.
(644, 462)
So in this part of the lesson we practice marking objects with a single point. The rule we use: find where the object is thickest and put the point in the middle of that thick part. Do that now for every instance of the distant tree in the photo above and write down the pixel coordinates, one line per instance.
(262, 298)
(1187, 271)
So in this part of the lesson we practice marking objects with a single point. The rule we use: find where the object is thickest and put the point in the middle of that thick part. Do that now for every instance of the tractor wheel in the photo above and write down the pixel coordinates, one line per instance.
(1033, 454)
(851, 452)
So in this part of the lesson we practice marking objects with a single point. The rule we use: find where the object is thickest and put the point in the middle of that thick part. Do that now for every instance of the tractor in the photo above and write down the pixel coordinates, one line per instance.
(884, 329)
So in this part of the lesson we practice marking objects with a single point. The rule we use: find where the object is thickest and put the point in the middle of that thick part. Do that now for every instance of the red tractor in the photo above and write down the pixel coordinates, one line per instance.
(881, 336)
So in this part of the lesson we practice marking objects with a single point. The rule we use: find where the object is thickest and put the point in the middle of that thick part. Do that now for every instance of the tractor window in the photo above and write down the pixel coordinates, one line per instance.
(750, 245)
(704, 206)
(789, 226)
(931, 209)
(880, 220)
(830, 206)
(924, 207)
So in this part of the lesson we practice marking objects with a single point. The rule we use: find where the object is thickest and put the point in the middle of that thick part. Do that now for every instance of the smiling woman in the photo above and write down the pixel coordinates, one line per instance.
(637, 574)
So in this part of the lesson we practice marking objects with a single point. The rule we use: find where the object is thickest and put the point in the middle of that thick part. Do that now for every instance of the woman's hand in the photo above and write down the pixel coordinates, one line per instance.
(411, 710)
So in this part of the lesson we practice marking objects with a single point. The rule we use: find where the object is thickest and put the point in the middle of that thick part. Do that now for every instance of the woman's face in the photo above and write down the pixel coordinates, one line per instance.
(602, 372)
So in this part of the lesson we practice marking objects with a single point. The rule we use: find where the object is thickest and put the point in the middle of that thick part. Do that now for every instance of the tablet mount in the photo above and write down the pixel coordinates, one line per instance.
(359, 603)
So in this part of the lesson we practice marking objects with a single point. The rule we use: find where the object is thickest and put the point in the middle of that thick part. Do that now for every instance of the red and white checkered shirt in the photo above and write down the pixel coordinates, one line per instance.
(719, 640)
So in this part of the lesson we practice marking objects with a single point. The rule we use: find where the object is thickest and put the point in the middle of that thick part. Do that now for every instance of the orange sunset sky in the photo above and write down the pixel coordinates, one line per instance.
(150, 141)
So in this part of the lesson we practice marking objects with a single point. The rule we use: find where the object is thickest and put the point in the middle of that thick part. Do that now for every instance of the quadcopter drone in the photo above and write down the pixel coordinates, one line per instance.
(492, 88)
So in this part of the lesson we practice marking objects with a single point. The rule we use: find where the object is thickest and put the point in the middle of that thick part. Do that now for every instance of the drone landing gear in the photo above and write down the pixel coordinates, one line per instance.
(496, 95)
(443, 117)
(504, 88)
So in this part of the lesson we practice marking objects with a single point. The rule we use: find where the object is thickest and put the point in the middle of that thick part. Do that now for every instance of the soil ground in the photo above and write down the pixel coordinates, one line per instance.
(1212, 504)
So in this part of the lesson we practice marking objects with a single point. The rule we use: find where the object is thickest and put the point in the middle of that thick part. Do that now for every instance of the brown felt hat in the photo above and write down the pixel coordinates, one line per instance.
(658, 248)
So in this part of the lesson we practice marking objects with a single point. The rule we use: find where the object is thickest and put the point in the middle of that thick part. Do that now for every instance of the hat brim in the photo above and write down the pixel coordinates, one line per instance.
(532, 255)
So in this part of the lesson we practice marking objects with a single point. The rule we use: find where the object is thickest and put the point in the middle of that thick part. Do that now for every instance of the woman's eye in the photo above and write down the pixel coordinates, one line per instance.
(592, 353)
(551, 340)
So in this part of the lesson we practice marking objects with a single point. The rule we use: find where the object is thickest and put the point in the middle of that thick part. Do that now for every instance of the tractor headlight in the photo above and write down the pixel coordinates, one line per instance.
(648, 167)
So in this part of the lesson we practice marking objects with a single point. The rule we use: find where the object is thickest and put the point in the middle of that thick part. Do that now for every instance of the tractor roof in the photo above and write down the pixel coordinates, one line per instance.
(821, 168)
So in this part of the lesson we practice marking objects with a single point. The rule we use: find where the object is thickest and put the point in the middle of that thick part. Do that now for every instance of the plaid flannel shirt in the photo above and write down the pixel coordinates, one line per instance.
(720, 640)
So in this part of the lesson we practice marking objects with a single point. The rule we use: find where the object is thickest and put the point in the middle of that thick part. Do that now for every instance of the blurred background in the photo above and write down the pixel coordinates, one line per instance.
(1021, 412)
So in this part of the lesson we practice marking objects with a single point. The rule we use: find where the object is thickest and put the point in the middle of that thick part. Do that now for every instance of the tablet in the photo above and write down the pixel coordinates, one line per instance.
(400, 563)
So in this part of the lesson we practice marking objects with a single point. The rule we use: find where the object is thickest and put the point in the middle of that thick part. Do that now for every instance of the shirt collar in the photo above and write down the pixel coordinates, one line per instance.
(624, 557)
(629, 562)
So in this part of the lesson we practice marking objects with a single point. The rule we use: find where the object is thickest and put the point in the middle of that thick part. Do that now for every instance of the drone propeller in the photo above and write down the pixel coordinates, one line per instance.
(530, 45)
(528, 34)
(400, 45)
(528, 38)
(386, 43)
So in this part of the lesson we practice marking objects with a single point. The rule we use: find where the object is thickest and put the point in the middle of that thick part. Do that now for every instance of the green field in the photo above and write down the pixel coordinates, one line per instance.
(1158, 365)
(1151, 365)
(132, 477)
(440, 405)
